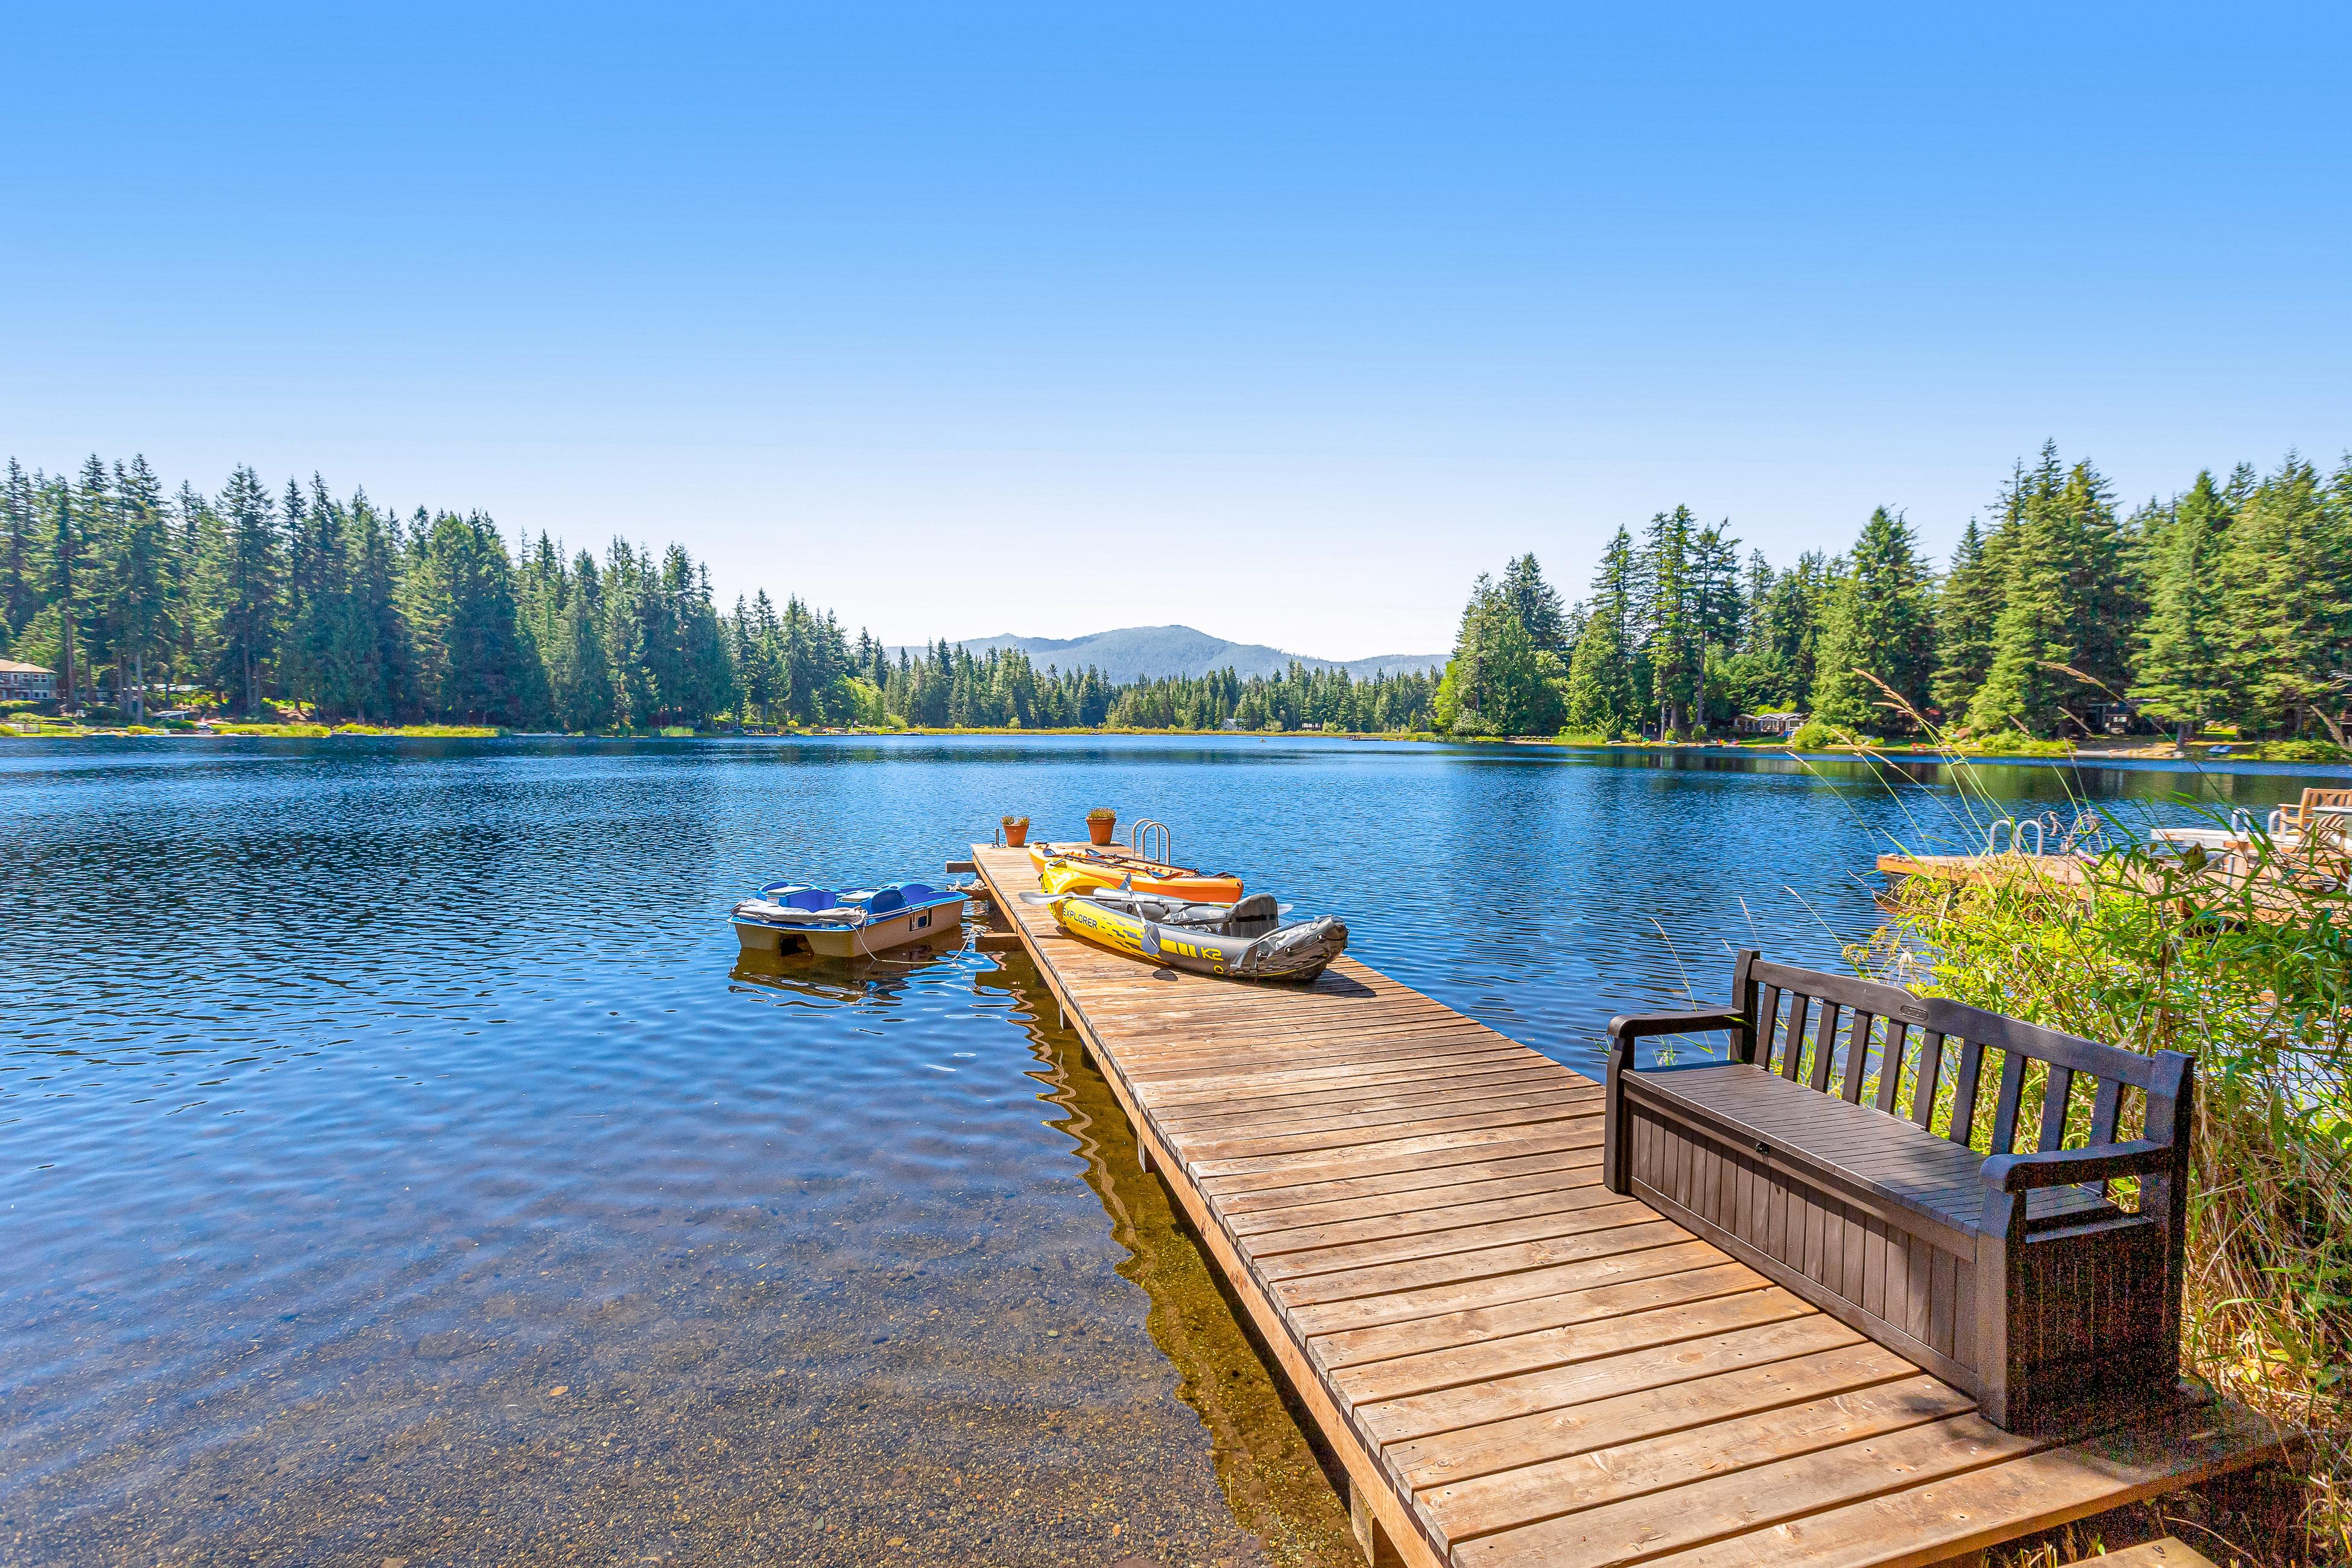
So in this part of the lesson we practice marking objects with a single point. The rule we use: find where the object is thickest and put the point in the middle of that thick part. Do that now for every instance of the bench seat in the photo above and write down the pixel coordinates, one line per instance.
(1938, 1180)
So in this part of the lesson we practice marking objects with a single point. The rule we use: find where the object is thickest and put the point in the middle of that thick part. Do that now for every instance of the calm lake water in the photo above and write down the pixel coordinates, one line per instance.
(400, 1166)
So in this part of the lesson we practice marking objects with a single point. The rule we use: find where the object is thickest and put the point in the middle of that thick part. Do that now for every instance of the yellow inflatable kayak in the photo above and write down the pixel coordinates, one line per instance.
(1075, 868)
(1243, 941)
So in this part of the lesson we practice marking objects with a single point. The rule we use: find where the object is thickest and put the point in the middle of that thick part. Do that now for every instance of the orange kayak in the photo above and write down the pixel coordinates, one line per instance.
(1078, 868)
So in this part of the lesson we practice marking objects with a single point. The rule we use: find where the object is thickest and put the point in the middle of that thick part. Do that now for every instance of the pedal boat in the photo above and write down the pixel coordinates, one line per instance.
(1078, 868)
(789, 918)
(1242, 941)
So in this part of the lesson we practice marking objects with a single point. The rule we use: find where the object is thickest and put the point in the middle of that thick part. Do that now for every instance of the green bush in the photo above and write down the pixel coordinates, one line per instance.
(2297, 752)
(2251, 975)
(2012, 744)
(1814, 736)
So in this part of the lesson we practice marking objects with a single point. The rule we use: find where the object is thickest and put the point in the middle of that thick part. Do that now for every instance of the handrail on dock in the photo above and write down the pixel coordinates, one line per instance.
(1144, 834)
(1993, 835)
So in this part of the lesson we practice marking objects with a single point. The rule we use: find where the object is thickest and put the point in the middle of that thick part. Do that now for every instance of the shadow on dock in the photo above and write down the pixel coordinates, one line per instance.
(1277, 1478)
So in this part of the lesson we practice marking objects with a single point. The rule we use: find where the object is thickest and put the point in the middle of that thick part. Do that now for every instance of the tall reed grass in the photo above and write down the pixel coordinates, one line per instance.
(2242, 959)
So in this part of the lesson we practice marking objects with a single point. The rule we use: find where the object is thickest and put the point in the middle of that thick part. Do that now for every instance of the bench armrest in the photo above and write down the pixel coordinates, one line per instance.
(2062, 1167)
(1627, 1028)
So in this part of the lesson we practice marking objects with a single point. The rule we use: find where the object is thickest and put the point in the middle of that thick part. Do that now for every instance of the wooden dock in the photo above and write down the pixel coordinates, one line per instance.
(1515, 1366)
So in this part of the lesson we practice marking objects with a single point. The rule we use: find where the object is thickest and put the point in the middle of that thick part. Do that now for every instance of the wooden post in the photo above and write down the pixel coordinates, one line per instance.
(1373, 1541)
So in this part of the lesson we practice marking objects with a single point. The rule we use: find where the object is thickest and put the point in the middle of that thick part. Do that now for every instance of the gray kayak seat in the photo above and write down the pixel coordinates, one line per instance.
(1299, 952)
(1253, 916)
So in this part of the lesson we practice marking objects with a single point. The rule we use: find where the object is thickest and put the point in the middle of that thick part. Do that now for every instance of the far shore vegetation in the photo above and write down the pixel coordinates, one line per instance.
(2223, 615)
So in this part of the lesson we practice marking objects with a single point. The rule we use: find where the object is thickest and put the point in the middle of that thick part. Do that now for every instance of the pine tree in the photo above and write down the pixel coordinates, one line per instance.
(66, 587)
(2061, 637)
(2286, 579)
(242, 592)
(1536, 603)
(369, 655)
(20, 553)
(1965, 611)
(1718, 612)
(1877, 623)
(1599, 697)
(98, 523)
(1500, 682)
(2032, 636)
(1671, 640)
(2181, 676)
(142, 609)
(487, 669)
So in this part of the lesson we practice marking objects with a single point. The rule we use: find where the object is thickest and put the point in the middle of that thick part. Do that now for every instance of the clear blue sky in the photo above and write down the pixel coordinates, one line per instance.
(1281, 321)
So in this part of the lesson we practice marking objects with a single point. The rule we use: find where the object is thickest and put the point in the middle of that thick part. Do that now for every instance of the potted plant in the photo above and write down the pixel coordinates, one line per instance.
(1099, 822)
(1016, 831)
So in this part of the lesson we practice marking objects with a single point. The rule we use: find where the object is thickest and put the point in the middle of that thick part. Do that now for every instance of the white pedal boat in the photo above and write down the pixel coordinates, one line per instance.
(788, 916)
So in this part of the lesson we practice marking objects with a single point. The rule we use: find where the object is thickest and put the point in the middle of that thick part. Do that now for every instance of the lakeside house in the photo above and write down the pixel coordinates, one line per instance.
(22, 682)
(1768, 724)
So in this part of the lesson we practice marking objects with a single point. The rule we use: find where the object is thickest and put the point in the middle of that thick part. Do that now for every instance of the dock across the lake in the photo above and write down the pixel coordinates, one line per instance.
(1515, 1366)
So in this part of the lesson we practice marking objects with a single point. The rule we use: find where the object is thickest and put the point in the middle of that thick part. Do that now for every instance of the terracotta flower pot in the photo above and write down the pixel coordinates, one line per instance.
(1098, 828)
(1016, 833)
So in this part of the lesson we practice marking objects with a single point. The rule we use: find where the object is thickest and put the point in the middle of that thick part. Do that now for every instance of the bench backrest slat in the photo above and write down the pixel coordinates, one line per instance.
(2055, 1092)
(1857, 1057)
(1931, 1073)
(2004, 1108)
(1890, 1066)
(1768, 1027)
(2106, 1111)
(1793, 1051)
(1824, 1046)
(1964, 1093)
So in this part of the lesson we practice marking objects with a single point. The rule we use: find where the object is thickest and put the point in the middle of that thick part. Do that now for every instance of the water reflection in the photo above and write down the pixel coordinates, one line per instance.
(1279, 1481)
(853, 979)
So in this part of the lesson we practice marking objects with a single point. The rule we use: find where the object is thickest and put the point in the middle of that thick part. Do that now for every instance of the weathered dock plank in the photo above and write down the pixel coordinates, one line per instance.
(1514, 1365)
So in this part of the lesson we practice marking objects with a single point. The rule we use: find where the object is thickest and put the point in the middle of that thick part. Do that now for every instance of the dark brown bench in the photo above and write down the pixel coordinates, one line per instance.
(2021, 1277)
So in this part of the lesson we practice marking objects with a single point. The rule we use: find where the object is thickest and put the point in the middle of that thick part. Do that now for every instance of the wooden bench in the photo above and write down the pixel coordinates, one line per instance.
(2020, 1278)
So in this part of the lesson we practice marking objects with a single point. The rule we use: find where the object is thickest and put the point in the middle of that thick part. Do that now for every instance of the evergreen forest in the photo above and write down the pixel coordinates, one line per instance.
(298, 602)
(2226, 605)
(2062, 615)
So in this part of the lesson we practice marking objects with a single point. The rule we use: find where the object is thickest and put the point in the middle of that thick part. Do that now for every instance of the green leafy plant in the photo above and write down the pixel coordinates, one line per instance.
(2244, 961)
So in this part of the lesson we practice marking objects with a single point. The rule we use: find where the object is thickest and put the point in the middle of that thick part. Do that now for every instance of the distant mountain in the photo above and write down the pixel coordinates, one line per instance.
(1138, 653)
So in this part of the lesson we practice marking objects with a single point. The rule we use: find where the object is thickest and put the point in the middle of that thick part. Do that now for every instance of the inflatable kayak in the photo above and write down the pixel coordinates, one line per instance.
(1073, 869)
(1243, 941)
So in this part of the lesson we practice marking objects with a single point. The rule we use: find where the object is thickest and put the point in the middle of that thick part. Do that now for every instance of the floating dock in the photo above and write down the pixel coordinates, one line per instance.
(1515, 1366)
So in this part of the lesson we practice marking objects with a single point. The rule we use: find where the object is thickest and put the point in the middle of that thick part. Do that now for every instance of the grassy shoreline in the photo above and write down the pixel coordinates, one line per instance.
(2134, 749)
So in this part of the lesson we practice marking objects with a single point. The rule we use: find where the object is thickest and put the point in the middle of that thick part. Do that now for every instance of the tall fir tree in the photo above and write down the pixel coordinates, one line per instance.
(1966, 612)
(242, 592)
(1671, 639)
(1599, 699)
(2059, 648)
(1536, 603)
(142, 605)
(1877, 623)
(1717, 611)
(65, 587)
(2182, 676)
(2286, 596)
(21, 595)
